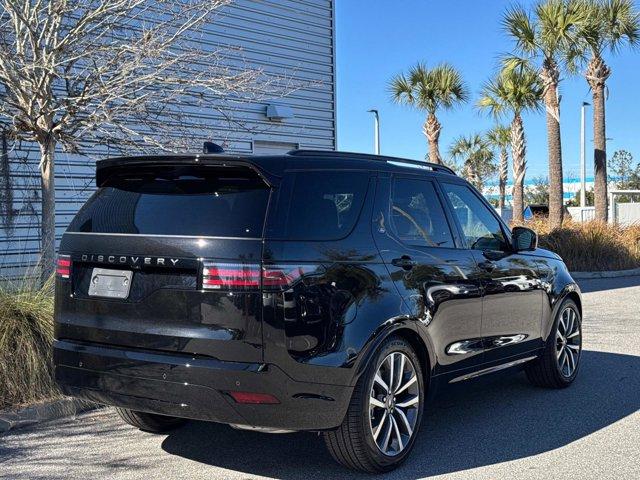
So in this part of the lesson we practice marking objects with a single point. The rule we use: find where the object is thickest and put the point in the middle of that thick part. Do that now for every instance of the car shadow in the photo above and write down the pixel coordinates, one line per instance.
(491, 420)
(601, 284)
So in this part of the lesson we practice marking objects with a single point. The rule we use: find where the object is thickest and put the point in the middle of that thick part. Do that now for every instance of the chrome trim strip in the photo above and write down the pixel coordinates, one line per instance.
(496, 368)
(465, 346)
(162, 236)
(409, 165)
(504, 340)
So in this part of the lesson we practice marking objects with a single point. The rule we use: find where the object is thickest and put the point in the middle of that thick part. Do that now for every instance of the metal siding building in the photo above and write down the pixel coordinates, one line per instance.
(292, 38)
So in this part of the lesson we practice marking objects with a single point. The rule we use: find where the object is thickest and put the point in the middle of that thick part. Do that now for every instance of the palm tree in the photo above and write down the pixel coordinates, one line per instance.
(549, 37)
(500, 137)
(477, 157)
(513, 92)
(609, 25)
(430, 90)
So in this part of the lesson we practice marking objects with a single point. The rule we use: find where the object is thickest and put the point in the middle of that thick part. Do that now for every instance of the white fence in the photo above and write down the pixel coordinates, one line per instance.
(621, 213)
(626, 213)
(582, 214)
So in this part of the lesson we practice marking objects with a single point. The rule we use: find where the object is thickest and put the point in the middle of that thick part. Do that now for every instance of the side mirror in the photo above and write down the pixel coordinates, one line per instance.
(523, 238)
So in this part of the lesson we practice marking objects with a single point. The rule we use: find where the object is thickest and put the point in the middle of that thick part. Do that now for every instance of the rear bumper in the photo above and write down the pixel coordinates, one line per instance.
(183, 386)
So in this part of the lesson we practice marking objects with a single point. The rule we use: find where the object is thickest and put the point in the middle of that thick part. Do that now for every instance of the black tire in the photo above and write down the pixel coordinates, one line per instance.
(546, 371)
(150, 422)
(352, 444)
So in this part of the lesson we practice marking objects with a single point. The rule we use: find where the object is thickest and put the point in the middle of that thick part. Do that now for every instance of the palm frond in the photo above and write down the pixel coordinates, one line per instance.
(460, 147)
(519, 25)
(423, 87)
(590, 31)
(609, 24)
(499, 136)
(401, 90)
(429, 89)
(513, 90)
(621, 24)
(471, 146)
(511, 62)
(550, 32)
(559, 25)
(419, 74)
(493, 98)
(449, 85)
(477, 158)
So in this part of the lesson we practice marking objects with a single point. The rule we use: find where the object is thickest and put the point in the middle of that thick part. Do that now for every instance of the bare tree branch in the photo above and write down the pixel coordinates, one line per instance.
(129, 74)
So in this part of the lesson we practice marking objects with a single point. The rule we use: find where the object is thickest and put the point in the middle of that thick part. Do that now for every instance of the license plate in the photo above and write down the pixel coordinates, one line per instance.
(110, 283)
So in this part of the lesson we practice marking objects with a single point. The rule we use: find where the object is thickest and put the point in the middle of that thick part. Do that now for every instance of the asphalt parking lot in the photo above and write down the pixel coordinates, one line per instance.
(495, 428)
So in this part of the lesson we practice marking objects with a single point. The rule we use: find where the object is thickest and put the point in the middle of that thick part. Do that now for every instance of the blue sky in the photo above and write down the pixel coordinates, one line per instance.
(378, 38)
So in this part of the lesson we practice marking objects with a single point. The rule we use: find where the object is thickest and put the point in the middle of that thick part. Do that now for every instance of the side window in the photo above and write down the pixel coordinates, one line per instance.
(324, 205)
(417, 216)
(480, 227)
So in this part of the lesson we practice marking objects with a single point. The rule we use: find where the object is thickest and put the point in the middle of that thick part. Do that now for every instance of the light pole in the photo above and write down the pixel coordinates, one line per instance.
(583, 165)
(376, 131)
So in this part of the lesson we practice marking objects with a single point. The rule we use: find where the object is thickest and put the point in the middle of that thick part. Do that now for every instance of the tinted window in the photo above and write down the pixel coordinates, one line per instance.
(480, 227)
(177, 201)
(324, 205)
(417, 215)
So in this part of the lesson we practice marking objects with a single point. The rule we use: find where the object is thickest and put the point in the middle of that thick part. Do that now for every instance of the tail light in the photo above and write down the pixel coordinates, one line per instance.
(63, 266)
(235, 276)
(230, 276)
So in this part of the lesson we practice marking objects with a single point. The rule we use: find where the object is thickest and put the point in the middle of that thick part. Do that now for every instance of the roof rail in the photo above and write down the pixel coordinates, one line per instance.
(365, 156)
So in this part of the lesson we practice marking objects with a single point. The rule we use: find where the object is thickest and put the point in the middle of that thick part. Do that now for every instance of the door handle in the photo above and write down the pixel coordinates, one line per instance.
(404, 262)
(487, 266)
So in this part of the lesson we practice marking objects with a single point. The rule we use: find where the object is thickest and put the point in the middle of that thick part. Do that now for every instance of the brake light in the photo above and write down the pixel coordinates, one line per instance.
(237, 276)
(230, 276)
(254, 398)
(63, 266)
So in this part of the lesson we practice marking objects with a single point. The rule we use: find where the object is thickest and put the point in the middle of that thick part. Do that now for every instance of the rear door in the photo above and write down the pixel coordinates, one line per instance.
(168, 258)
(440, 283)
(513, 295)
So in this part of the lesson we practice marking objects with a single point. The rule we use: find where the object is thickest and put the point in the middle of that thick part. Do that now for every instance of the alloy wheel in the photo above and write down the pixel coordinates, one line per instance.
(394, 403)
(568, 342)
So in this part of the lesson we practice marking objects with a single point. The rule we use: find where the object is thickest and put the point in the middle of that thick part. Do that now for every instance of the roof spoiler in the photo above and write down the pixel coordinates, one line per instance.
(106, 168)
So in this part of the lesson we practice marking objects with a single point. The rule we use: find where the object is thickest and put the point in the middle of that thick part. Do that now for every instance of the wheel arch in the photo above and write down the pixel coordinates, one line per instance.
(569, 291)
(407, 331)
(421, 349)
(573, 295)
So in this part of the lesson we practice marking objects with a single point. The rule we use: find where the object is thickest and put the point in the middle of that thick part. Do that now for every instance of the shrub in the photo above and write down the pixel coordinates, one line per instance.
(26, 338)
(591, 246)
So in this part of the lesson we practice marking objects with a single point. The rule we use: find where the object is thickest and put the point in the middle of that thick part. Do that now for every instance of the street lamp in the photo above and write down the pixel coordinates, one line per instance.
(583, 165)
(376, 131)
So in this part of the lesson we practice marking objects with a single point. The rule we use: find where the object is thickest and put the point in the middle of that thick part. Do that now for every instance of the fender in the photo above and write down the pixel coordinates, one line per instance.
(556, 298)
(385, 330)
(558, 285)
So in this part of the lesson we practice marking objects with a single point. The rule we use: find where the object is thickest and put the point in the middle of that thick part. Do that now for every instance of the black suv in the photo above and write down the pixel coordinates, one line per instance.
(318, 291)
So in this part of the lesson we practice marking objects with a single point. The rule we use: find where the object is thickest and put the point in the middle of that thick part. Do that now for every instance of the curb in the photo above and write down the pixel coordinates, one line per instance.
(42, 412)
(611, 274)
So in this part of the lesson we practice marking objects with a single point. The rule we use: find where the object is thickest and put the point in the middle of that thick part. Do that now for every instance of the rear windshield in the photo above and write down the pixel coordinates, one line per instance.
(202, 201)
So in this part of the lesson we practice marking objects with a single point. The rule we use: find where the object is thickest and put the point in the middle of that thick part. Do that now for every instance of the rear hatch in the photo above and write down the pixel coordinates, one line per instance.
(166, 257)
